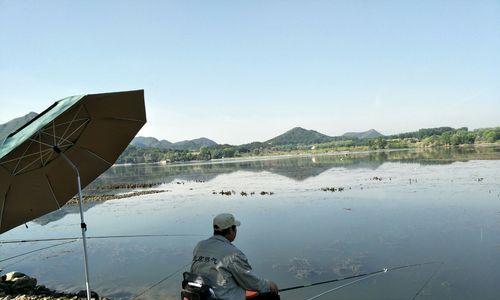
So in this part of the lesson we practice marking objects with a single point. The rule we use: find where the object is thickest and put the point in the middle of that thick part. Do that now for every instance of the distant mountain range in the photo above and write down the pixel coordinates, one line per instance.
(191, 145)
(295, 136)
(299, 135)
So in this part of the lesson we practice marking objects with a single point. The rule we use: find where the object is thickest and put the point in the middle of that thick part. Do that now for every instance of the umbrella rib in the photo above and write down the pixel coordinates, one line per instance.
(53, 134)
(60, 138)
(45, 144)
(126, 119)
(48, 158)
(36, 154)
(21, 157)
(49, 127)
(53, 130)
(3, 207)
(70, 123)
(24, 156)
(40, 146)
(77, 128)
(52, 191)
(30, 164)
(96, 155)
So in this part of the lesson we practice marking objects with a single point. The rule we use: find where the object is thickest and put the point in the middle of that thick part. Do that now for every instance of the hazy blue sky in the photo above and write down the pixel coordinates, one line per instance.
(239, 71)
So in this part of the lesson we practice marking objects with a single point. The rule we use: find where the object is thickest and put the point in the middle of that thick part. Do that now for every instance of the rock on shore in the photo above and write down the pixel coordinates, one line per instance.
(19, 286)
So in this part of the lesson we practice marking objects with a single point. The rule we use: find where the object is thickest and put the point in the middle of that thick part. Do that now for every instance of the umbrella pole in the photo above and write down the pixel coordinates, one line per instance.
(82, 224)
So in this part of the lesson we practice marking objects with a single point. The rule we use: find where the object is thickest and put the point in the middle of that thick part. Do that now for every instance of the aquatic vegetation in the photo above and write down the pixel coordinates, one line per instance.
(130, 185)
(101, 198)
(242, 193)
(266, 193)
(349, 266)
(302, 268)
(333, 189)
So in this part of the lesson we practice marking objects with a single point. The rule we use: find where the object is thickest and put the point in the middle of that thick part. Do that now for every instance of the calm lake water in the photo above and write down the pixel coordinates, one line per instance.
(428, 206)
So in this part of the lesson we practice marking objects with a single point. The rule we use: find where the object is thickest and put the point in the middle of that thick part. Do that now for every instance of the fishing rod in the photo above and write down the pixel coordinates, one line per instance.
(376, 273)
(427, 282)
(36, 250)
(164, 279)
(99, 237)
(384, 270)
(347, 284)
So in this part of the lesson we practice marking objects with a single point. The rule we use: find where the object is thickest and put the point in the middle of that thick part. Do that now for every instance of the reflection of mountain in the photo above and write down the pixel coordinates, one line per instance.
(62, 212)
(296, 168)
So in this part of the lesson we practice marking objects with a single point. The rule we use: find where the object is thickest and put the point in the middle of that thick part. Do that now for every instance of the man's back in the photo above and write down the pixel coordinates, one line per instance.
(226, 268)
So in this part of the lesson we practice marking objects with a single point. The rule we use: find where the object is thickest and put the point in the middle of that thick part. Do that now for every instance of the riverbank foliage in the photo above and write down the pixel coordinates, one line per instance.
(427, 137)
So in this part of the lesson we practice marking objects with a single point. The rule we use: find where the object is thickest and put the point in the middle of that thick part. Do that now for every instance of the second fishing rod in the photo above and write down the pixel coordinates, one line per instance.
(384, 270)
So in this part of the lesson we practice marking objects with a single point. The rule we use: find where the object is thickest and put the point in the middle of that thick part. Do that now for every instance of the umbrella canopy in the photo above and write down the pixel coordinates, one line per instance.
(90, 130)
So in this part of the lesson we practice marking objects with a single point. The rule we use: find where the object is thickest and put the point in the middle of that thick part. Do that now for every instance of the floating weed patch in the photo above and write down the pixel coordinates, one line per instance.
(117, 186)
(334, 189)
(242, 193)
(101, 198)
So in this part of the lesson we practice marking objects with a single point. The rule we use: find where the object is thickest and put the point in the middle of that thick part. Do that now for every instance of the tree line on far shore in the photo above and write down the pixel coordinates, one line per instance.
(427, 137)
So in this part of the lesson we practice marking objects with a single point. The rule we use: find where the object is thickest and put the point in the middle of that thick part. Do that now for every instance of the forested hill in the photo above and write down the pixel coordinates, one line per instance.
(195, 144)
(191, 145)
(370, 134)
(299, 136)
(150, 142)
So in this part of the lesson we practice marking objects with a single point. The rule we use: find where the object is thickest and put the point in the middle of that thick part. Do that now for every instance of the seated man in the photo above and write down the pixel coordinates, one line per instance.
(226, 267)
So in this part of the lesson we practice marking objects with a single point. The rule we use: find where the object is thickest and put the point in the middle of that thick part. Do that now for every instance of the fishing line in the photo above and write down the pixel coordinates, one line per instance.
(354, 276)
(99, 237)
(164, 279)
(366, 276)
(428, 280)
(12, 263)
(344, 285)
(36, 250)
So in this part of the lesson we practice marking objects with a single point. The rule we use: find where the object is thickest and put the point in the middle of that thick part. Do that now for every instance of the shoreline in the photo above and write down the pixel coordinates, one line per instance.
(16, 285)
(264, 157)
(301, 154)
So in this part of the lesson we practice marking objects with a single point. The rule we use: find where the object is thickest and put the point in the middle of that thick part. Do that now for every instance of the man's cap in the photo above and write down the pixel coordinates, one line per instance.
(224, 221)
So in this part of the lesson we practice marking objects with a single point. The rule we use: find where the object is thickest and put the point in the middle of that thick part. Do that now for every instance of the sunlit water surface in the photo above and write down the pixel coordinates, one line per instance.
(428, 206)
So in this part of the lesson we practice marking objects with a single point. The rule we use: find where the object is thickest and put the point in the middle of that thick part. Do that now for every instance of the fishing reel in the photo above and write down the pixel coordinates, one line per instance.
(195, 287)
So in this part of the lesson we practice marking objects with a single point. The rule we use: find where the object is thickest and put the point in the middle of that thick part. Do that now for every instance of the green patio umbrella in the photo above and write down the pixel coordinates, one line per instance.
(50, 159)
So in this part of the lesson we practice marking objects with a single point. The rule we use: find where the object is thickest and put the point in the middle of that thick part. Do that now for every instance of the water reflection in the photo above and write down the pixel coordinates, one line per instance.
(300, 234)
(296, 168)
(62, 212)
